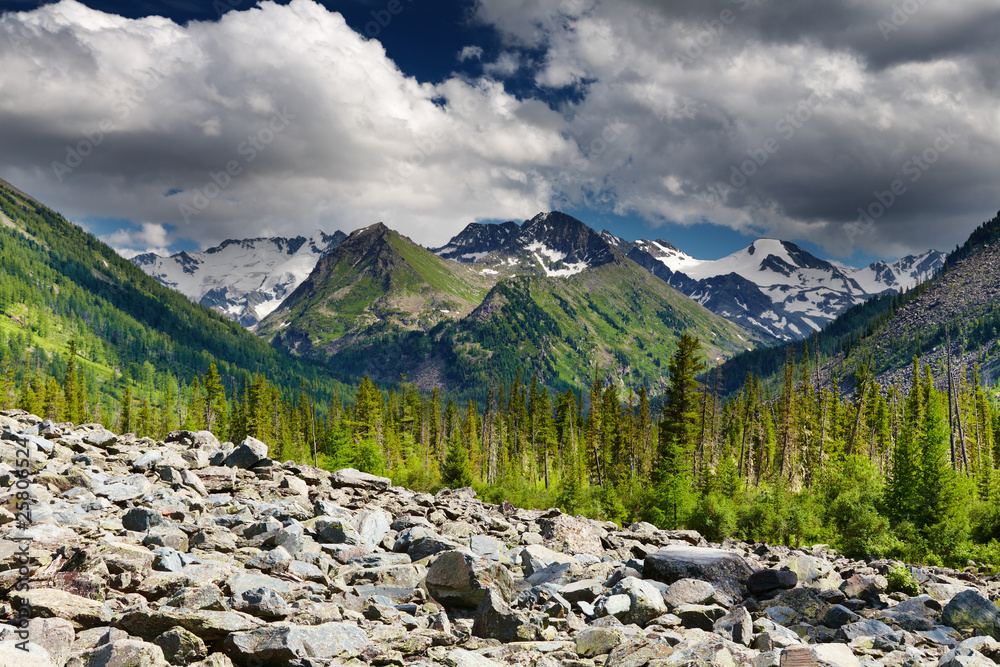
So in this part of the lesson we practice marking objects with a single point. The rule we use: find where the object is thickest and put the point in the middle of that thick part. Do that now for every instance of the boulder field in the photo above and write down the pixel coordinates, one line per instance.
(141, 553)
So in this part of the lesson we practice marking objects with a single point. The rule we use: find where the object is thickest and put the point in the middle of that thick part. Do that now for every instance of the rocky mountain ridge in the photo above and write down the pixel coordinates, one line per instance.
(777, 287)
(242, 279)
(773, 287)
(143, 553)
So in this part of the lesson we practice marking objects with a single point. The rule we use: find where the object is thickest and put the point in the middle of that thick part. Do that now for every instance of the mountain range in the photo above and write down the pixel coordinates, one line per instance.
(773, 287)
(244, 280)
(556, 300)
(333, 296)
(778, 288)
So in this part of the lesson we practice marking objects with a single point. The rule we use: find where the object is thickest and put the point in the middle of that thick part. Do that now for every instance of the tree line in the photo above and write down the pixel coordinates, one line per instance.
(909, 472)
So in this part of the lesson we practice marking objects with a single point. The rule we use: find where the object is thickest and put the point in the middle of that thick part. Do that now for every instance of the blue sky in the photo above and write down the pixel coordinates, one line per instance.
(706, 123)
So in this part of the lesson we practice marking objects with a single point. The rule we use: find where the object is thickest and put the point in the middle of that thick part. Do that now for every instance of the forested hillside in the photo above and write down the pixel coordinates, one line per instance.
(959, 310)
(60, 286)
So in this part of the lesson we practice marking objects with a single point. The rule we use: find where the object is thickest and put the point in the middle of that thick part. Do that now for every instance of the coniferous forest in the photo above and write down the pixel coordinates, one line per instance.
(898, 471)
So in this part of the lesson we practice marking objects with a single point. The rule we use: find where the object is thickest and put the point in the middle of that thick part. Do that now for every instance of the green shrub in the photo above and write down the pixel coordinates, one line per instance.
(901, 579)
(714, 517)
(863, 531)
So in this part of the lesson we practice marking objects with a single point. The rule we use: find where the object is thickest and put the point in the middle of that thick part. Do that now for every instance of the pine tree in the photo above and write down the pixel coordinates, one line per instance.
(215, 396)
(72, 393)
(125, 416)
(936, 483)
(678, 431)
(456, 471)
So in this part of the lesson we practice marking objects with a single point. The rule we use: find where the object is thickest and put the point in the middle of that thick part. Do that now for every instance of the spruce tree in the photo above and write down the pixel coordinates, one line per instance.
(936, 483)
(678, 432)
(456, 471)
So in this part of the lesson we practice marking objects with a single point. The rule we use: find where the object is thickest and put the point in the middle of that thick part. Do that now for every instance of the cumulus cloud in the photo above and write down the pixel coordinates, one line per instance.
(278, 119)
(779, 118)
(134, 240)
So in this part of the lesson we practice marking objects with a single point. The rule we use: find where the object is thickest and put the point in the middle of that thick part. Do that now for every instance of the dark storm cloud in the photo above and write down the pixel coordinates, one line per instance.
(866, 126)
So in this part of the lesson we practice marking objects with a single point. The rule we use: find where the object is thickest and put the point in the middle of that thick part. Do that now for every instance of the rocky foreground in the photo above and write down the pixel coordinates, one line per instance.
(194, 552)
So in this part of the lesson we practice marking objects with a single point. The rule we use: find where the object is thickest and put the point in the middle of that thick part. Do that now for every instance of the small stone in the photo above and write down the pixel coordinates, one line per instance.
(839, 616)
(262, 603)
(125, 653)
(763, 582)
(593, 642)
(494, 619)
(736, 626)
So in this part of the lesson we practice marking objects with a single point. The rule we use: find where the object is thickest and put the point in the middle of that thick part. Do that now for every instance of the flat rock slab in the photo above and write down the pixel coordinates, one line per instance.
(82, 612)
(280, 643)
(349, 477)
(210, 626)
(824, 655)
(725, 570)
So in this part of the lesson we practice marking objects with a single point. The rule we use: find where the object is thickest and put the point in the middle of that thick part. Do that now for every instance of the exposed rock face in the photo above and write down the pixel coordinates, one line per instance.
(148, 554)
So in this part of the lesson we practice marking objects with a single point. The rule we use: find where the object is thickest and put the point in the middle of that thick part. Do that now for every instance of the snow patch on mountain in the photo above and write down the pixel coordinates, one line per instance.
(245, 280)
(776, 286)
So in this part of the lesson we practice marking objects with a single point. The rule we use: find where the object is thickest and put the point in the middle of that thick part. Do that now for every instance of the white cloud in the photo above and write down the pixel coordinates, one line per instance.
(131, 241)
(506, 65)
(470, 53)
(693, 86)
(362, 142)
(282, 118)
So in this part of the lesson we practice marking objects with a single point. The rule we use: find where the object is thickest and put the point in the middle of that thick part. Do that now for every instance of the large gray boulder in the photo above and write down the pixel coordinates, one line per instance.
(461, 578)
(282, 643)
(969, 609)
(645, 601)
(250, 452)
(723, 569)
(495, 619)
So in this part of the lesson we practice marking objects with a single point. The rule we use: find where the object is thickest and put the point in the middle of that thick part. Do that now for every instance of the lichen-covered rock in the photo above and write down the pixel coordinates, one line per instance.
(969, 609)
(181, 647)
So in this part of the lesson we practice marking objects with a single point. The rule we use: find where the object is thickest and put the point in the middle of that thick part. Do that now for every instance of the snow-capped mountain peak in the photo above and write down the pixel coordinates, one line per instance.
(778, 287)
(244, 279)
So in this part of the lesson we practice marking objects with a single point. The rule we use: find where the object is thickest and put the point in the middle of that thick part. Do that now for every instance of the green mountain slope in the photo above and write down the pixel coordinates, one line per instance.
(376, 282)
(616, 321)
(382, 306)
(58, 283)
